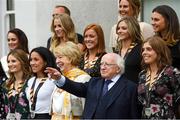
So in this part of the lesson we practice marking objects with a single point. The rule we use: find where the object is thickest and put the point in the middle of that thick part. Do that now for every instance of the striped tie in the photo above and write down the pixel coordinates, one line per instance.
(32, 90)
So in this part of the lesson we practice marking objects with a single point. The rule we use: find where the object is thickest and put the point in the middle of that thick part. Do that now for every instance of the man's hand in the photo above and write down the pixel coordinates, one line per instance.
(53, 73)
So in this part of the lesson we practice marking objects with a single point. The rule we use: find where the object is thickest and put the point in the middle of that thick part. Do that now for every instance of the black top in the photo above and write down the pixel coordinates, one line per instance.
(133, 64)
(95, 70)
(80, 40)
(175, 53)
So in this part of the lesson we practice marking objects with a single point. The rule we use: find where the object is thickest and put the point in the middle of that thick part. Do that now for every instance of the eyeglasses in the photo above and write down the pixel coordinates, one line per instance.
(106, 64)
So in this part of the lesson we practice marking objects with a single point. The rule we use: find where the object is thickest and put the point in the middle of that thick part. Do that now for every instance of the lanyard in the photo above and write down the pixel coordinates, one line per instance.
(151, 84)
(13, 99)
(132, 45)
(34, 96)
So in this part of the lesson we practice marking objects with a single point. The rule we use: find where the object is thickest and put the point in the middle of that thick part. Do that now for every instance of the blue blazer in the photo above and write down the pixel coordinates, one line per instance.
(120, 102)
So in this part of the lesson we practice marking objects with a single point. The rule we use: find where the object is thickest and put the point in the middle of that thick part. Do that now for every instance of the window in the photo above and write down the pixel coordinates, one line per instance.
(11, 15)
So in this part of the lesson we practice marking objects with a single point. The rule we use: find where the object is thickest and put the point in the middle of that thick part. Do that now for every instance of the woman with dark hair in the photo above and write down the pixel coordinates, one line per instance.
(159, 82)
(40, 87)
(166, 25)
(16, 102)
(94, 50)
(16, 38)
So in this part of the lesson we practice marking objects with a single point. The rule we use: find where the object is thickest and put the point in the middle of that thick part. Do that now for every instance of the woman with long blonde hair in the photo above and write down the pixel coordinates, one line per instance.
(63, 30)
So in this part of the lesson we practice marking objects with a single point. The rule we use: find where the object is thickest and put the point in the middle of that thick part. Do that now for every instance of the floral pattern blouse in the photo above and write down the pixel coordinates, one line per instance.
(17, 102)
(160, 99)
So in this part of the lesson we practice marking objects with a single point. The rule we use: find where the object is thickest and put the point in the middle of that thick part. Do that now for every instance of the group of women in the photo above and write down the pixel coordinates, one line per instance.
(152, 63)
(155, 63)
(28, 92)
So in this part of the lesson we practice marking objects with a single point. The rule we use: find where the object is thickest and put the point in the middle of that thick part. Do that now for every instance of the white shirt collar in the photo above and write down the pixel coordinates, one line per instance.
(114, 79)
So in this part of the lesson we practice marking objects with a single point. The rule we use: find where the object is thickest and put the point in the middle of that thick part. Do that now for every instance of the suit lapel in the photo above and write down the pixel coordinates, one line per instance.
(99, 88)
(114, 92)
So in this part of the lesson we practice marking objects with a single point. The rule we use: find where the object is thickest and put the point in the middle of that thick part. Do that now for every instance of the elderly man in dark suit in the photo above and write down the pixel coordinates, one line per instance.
(120, 99)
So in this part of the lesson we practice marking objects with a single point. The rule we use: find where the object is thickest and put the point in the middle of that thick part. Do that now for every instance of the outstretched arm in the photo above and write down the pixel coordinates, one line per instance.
(78, 89)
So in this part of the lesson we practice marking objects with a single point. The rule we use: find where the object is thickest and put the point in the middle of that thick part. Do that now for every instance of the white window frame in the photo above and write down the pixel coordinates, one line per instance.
(4, 26)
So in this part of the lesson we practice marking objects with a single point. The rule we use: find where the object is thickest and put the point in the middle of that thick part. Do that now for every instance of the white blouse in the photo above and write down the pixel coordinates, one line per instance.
(77, 103)
(43, 96)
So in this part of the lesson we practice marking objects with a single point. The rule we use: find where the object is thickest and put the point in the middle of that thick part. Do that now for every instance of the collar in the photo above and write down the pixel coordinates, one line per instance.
(115, 78)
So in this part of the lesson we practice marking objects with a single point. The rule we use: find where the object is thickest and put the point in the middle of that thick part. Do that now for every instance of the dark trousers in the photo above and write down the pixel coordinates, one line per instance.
(42, 116)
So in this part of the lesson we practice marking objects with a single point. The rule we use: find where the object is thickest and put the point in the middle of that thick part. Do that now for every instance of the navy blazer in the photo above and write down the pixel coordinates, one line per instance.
(120, 102)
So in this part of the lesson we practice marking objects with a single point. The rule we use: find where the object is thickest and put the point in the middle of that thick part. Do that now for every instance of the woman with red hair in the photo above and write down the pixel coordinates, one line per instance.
(95, 49)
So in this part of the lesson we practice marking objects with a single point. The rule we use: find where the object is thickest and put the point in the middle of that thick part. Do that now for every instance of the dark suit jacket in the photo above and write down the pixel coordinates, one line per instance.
(118, 103)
